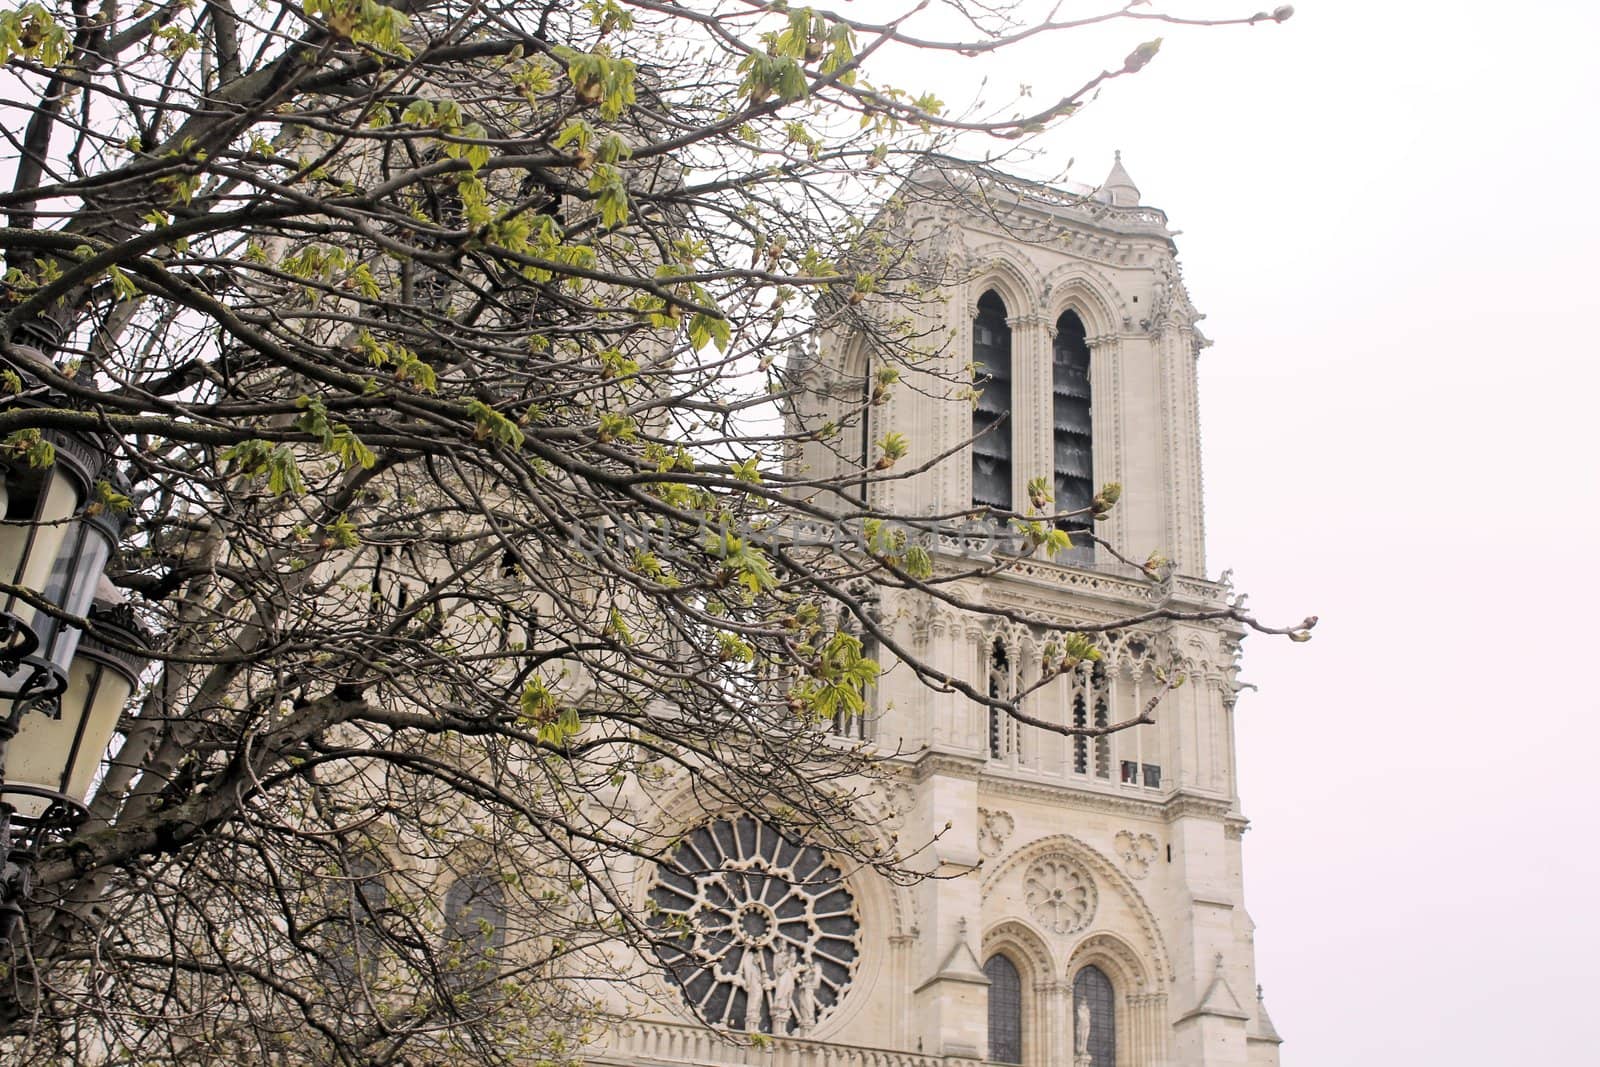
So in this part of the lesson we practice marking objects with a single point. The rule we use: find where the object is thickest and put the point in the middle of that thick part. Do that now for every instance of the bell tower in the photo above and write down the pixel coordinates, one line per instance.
(1089, 906)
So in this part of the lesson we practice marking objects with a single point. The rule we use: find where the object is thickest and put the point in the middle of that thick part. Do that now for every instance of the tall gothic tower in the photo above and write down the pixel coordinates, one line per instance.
(1086, 906)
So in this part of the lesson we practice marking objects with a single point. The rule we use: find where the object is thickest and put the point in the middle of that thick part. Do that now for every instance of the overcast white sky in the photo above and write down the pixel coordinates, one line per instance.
(1388, 213)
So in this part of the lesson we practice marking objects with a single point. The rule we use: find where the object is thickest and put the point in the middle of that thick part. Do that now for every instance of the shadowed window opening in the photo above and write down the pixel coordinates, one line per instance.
(1072, 423)
(474, 928)
(991, 422)
(1005, 1010)
(1092, 988)
(1001, 726)
(1091, 706)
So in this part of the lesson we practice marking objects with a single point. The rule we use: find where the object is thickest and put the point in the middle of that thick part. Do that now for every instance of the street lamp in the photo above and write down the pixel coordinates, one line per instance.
(50, 760)
(43, 539)
(61, 693)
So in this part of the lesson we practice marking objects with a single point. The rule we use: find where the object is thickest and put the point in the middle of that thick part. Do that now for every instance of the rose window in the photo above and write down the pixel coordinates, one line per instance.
(757, 929)
(1060, 895)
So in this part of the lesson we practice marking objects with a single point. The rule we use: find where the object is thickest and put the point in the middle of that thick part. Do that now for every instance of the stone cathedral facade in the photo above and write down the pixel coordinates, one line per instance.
(1087, 907)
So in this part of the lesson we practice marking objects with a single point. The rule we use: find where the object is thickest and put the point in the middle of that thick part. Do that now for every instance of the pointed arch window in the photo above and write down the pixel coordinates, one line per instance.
(1002, 727)
(845, 722)
(1072, 425)
(474, 928)
(1005, 1010)
(1094, 1004)
(1091, 706)
(355, 933)
(991, 422)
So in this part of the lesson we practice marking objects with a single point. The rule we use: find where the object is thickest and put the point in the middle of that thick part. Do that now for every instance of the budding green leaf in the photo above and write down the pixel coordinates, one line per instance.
(1140, 56)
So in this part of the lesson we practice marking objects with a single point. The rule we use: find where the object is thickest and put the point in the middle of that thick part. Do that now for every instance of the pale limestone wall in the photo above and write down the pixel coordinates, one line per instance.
(1150, 876)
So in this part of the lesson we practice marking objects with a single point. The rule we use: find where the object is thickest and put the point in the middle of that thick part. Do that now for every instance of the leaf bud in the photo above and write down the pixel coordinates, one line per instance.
(1140, 56)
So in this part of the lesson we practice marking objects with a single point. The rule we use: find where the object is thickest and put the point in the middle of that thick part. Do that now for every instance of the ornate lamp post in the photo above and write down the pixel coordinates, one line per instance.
(61, 692)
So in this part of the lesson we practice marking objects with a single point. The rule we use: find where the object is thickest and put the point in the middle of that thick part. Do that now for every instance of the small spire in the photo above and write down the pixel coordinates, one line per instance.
(1264, 1030)
(1118, 189)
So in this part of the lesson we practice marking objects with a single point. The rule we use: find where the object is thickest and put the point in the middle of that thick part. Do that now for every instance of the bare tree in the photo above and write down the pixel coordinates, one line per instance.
(447, 348)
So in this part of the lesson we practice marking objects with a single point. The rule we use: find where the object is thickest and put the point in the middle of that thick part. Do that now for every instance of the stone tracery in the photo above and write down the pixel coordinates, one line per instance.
(1060, 895)
(759, 930)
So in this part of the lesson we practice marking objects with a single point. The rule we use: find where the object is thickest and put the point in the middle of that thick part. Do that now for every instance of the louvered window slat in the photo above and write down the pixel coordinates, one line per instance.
(991, 421)
(1072, 425)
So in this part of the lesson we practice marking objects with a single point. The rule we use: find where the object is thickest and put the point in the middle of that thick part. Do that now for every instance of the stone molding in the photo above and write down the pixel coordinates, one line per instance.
(1059, 894)
(1024, 941)
(1070, 795)
(1104, 872)
(630, 1042)
(994, 828)
(1138, 851)
(1104, 946)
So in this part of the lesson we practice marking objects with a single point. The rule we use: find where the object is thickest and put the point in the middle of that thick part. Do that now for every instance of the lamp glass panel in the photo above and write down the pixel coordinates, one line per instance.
(50, 751)
(40, 507)
(72, 583)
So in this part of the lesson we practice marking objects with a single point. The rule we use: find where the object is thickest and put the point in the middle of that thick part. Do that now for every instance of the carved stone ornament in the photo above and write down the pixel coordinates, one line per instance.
(1060, 895)
(898, 800)
(993, 829)
(759, 930)
(1138, 852)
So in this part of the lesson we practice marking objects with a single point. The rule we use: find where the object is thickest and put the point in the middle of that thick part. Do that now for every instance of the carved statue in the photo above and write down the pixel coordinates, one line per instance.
(807, 987)
(752, 978)
(786, 974)
(1080, 1033)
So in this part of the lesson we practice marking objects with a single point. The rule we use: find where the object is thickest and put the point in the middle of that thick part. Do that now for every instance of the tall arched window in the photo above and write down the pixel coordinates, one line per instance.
(474, 928)
(1074, 457)
(991, 447)
(1002, 727)
(355, 932)
(1091, 706)
(1005, 1010)
(1094, 1004)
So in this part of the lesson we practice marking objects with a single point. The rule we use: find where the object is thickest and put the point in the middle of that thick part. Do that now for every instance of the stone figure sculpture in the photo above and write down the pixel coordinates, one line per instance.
(808, 985)
(1080, 1036)
(785, 968)
(752, 978)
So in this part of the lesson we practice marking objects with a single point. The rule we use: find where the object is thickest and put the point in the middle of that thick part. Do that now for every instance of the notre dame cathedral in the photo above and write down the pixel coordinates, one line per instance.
(1085, 906)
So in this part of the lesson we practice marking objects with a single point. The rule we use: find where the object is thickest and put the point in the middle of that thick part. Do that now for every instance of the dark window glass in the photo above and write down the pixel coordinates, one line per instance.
(999, 689)
(1093, 988)
(1005, 1010)
(846, 723)
(868, 398)
(355, 933)
(1130, 772)
(1152, 775)
(991, 422)
(1102, 718)
(474, 927)
(1091, 707)
(1074, 462)
(1080, 744)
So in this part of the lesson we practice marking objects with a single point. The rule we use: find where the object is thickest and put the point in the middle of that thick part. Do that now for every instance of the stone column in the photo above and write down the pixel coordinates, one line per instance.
(1031, 454)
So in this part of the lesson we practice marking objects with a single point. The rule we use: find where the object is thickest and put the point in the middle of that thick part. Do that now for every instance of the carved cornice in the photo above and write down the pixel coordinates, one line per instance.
(1120, 590)
(948, 764)
(996, 783)
(1193, 805)
(628, 1041)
